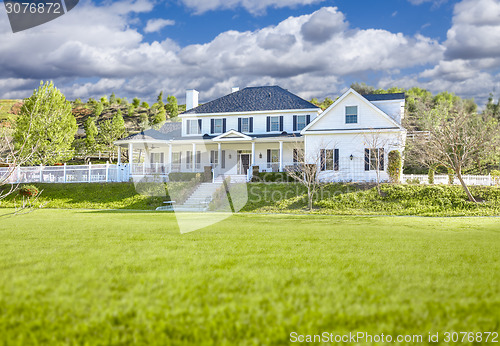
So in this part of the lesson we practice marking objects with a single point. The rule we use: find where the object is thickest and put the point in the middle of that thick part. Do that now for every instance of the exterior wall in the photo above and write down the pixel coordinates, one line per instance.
(352, 144)
(259, 121)
(367, 116)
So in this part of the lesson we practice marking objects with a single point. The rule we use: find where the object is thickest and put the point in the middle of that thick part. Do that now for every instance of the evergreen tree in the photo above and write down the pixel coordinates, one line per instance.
(136, 102)
(47, 125)
(172, 107)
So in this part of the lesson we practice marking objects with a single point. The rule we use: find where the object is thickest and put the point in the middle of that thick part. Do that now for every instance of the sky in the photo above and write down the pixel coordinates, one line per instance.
(314, 48)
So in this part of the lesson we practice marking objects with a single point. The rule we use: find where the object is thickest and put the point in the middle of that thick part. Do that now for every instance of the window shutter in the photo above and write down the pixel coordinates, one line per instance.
(188, 130)
(268, 128)
(223, 159)
(239, 124)
(162, 157)
(224, 125)
(180, 157)
(381, 158)
(281, 123)
(294, 123)
(211, 125)
(199, 126)
(251, 125)
(295, 153)
(367, 159)
(268, 155)
(336, 160)
(198, 157)
(308, 119)
(323, 159)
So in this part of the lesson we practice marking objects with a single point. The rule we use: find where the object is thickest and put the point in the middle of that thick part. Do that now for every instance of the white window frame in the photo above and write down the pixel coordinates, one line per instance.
(221, 125)
(301, 120)
(214, 157)
(245, 125)
(192, 124)
(271, 123)
(349, 115)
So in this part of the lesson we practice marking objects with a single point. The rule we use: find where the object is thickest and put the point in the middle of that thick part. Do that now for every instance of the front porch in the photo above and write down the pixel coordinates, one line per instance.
(224, 156)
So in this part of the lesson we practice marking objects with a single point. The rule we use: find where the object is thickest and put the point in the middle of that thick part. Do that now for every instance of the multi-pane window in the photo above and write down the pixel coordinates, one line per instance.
(329, 159)
(218, 126)
(245, 124)
(193, 127)
(298, 155)
(301, 122)
(275, 123)
(273, 159)
(351, 114)
(156, 157)
(374, 159)
(214, 157)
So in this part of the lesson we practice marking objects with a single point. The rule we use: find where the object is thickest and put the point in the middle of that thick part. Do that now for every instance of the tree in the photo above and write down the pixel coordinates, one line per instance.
(144, 104)
(363, 88)
(136, 102)
(98, 108)
(91, 133)
(112, 130)
(46, 123)
(492, 109)
(112, 99)
(172, 107)
(456, 137)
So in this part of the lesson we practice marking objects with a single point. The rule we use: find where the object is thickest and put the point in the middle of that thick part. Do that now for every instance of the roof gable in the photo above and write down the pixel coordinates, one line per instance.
(254, 99)
(369, 116)
(232, 135)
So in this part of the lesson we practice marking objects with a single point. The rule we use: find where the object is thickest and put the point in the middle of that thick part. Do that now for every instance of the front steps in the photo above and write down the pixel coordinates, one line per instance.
(200, 199)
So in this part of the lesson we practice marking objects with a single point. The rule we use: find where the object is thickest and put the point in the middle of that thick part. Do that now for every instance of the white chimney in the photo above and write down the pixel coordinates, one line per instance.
(235, 89)
(191, 99)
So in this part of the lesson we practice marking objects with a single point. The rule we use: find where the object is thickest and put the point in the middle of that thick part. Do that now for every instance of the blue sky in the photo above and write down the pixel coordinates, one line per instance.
(314, 48)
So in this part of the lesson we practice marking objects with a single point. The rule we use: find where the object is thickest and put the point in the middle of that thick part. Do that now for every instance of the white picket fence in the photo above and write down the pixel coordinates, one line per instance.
(65, 174)
(485, 180)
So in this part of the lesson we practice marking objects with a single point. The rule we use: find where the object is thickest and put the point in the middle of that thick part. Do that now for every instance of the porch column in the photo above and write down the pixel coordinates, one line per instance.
(281, 156)
(253, 154)
(193, 158)
(219, 156)
(170, 158)
(119, 155)
(118, 166)
(130, 158)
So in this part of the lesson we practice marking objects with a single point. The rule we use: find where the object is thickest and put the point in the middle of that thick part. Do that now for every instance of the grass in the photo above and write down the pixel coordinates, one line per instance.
(116, 277)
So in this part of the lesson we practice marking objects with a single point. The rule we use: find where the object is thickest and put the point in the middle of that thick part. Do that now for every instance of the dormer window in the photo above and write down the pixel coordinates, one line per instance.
(351, 114)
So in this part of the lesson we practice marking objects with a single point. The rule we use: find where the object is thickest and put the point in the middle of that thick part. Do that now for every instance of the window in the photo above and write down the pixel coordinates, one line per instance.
(245, 125)
(176, 161)
(298, 155)
(273, 159)
(301, 122)
(351, 114)
(275, 123)
(189, 160)
(214, 157)
(157, 158)
(218, 126)
(329, 159)
(193, 127)
(374, 159)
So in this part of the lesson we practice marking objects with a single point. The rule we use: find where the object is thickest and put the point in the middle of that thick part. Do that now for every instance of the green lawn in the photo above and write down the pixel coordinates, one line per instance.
(111, 277)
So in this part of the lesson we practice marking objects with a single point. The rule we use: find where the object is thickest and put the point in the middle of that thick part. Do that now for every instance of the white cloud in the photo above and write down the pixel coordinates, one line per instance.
(154, 25)
(252, 6)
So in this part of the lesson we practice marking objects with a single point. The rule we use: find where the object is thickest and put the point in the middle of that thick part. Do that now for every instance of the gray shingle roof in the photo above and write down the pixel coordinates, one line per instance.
(167, 132)
(267, 98)
(385, 97)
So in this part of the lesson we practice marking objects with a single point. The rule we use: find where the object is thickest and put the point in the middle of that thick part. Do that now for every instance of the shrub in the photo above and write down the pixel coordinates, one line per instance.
(431, 176)
(29, 191)
(272, 177)
(394, 166)
(413, 181)
(495, 175)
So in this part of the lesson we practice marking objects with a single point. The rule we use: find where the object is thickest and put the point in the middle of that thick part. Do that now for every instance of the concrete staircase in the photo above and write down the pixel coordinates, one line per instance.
(235, 178)
(200, 198)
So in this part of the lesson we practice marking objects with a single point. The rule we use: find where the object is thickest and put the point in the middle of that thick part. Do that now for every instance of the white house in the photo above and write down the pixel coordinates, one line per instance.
(271, 128)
